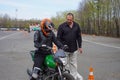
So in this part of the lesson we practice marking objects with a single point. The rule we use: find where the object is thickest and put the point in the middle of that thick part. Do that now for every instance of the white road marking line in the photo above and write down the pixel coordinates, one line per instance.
(8, 36)
(106, 45)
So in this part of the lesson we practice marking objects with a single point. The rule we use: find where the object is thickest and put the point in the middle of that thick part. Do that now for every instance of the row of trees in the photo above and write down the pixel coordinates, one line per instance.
(7, 22)
(99, 17)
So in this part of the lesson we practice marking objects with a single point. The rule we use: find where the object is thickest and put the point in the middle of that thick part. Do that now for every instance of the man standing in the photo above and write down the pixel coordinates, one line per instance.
(69, 34)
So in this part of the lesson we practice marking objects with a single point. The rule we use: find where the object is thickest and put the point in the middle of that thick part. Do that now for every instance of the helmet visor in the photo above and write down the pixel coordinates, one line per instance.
(49, 25)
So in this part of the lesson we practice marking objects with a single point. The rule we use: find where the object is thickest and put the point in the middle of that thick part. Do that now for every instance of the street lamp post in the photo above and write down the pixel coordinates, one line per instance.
(16, 17)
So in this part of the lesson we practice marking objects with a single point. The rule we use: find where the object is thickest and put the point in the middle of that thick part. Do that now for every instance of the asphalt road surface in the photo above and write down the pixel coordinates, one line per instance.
(102, 53)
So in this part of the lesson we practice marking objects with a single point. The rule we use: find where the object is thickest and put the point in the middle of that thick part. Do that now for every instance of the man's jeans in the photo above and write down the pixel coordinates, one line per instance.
(71, 64)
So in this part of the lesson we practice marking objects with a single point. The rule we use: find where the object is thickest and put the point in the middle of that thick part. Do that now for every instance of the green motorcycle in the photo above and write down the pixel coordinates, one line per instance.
(53, 68)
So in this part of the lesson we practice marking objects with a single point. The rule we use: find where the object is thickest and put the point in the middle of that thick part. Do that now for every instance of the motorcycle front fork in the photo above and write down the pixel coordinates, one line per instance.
(60, 73)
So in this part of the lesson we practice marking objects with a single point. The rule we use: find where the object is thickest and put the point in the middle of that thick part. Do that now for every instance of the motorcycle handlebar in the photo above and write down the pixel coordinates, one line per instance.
(48, 47)
(60, 53)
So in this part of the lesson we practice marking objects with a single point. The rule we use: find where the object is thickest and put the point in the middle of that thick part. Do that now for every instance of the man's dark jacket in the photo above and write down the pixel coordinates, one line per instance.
(70, 36)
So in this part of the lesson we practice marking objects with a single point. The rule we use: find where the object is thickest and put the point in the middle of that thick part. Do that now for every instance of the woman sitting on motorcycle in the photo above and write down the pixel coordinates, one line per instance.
(44, 36)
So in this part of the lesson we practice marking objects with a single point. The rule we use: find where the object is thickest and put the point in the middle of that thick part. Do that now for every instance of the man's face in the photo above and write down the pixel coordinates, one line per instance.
(69, 19)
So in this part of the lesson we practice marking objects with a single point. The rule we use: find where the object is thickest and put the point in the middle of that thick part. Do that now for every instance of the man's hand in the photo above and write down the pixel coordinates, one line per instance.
(80, 50)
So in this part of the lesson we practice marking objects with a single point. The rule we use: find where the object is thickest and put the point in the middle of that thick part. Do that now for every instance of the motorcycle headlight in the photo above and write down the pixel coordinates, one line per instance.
(64, 61)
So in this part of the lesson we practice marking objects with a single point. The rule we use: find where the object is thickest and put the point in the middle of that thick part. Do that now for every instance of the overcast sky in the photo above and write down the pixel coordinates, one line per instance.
(37, 9)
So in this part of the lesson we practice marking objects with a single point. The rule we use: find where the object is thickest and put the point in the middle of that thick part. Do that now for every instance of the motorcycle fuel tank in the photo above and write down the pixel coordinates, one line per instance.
(49, 61)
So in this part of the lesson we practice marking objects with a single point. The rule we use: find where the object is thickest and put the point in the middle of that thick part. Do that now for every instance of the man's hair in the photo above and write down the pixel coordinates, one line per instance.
(71, 14)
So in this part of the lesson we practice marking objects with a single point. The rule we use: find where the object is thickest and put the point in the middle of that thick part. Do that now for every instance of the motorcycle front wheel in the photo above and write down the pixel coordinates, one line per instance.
(65, 76)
